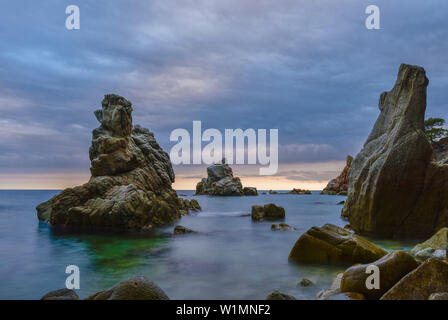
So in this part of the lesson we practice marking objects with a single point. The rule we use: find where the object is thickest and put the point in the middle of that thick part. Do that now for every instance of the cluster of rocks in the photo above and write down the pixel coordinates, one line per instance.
(398, 182)
(299, 191)
(137, 288)
(339, 185)
(221, 182)
(130, 187)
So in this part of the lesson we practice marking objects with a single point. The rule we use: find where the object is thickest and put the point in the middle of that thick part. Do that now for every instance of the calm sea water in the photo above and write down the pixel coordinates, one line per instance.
(230, 257)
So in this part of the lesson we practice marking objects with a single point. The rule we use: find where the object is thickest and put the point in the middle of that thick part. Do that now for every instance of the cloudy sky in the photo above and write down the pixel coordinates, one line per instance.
(309, 68)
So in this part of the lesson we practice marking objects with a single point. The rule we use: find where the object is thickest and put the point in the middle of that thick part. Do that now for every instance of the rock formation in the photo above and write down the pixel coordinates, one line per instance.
(299, 191)
(339, 185)
(268, 212)
(130, 187)
(221, 182)
(434, 247)
(397, 188)
(331, 244)
(61, 294)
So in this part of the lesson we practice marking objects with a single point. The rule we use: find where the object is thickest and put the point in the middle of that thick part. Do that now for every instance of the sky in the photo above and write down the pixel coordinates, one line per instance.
(310, 69)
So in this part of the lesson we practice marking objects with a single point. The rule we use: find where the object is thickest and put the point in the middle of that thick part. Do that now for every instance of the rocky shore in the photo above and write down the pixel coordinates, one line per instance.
(339, 186)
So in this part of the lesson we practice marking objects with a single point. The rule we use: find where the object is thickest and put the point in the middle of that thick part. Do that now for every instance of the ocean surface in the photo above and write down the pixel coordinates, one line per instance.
(230, 257)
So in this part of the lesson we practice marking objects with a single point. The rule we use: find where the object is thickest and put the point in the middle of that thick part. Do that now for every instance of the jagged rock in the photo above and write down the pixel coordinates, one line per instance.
(137, 288)
(62, 294)
(396, 188)
(282, 226)
(331, 244)
(299, 191)
(393, 266)
(277, 295)
(192, 204)
(182, 230)
(220, 182)
(130, 187)
(434, 247)
(430, 277)
(339, 185)
(250, 191)
(268, 212)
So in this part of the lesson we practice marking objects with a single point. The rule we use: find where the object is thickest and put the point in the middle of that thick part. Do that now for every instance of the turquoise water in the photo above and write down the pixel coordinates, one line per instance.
(230, 257)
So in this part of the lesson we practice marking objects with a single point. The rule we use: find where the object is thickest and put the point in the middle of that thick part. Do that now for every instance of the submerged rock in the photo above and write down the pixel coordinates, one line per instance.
(299, 191)
(250, 191)
(339, 185)
(282, 226)
(137, 288)
(268, 212)
(62, 294)
(182, 230)
(396, 186)
(277, 295)
(305, 282)
(434, 247)
(273, 192)
(130, 187)
(331, 244)
(393, 266)
(430, 277)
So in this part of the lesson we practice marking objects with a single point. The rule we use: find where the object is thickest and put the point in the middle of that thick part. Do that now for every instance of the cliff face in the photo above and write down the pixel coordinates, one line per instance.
(396, 186)
(339, 185)
(130, 187)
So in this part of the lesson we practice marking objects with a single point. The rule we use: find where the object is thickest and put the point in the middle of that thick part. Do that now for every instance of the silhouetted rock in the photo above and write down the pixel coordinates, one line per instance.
(339, 185)
(331, 244)
(130, 187)
(396, 187)
(137, 288)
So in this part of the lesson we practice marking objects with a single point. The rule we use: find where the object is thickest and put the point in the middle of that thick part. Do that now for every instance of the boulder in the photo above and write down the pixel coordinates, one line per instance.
(250, 191)
(62, 294)
(438, 296)
(182, 230)
(397, 189)
(268, 212)
(277, 295)
(299, 191)
(220, 182)
(430, 277)
(130, 184)
(339, 185)
(192, 205)
(282, 227)
(434, 247)
(331, 244)
(305, 282)
(137, 288)
(393, 266)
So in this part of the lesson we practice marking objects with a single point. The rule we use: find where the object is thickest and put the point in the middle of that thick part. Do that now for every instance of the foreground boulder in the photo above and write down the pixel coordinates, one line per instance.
(137, 288)
(331, 244)
(393, 266)
(62, 294)
(434, 247)
(130, 187)
(430, 277)
(339, 185)
(397, 188)
(268, 212)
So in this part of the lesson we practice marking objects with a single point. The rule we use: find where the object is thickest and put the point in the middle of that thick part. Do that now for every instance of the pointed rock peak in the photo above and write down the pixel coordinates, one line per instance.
(115, 115)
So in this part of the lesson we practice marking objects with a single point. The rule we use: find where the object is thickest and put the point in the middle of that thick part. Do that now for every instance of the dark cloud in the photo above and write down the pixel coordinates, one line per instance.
(309, 68)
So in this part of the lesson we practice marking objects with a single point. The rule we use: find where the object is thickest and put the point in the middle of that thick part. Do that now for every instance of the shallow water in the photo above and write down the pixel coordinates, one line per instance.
(230, 258)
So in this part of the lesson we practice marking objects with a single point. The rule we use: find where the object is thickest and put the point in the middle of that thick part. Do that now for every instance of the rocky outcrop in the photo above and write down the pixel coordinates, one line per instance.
(220, 182)
(396, 186)
(392, 267)
(137, 288)
(331, 244)
(130, 187)
(268, 212)
(62, 294)
(299, 191)
(250, 191)
(339, 185)
(277, 295)
(430, 277)
(434, 247)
